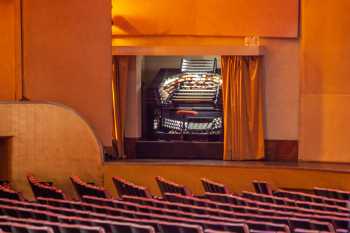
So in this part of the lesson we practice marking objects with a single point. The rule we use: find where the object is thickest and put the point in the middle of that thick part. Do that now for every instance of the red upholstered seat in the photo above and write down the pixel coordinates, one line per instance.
(332, 193)
(215, 214)
(165, 215)
(167, 186)
(43, 189)
(7, 192)
(56, 226)
(305, 231)
(215, 231)
(179, 212)
(310, 198)
(285, 201)
(268, 198)
(213, 187)
(82, 188)
(24, 227)
(127, 188)
(168, 214)
(262, 187)
(225, 198)
(137, 218)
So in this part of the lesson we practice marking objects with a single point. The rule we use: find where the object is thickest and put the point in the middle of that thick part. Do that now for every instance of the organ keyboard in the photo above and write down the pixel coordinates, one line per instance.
(196, 87)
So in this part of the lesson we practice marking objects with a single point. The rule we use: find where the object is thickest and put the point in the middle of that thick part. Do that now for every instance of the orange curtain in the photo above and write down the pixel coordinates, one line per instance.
(243, 108)
(119, 93)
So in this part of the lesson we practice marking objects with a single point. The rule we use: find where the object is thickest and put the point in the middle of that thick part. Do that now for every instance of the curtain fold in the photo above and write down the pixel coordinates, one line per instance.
(243, 108)
(119, 95)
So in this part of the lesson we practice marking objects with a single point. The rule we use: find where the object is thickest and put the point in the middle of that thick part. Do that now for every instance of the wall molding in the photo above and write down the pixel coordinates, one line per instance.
(195, 50)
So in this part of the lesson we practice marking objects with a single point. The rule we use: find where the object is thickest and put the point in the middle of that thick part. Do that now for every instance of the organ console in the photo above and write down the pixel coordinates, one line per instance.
(185, 104)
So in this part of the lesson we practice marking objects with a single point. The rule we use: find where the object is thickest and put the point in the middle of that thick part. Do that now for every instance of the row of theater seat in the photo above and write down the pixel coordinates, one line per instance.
(178, 210)
(158, 218)
(47, 189)
(108, 219)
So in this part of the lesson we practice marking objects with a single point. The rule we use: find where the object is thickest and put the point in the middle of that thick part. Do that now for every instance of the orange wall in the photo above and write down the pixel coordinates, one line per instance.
(67, 57)
(273, 18)
(9, 50)
(42, 140)
(325, 94)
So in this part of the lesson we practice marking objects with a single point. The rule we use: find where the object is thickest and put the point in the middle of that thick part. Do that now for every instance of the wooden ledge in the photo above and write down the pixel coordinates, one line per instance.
(188, 50)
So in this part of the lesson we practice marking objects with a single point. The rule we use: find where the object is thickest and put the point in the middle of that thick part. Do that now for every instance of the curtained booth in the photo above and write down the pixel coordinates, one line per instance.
(243, 108)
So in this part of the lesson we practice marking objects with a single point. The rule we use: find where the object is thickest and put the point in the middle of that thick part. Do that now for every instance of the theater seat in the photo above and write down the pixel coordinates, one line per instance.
(299, 196)
(124, 187)
(84, 189)
(24, 228)
(262, 187)
(214, 231)
(332, 193)
(44, 189)
(214, 187)
(166, 186)
(8, 193)
(180, 228)
(305, 231)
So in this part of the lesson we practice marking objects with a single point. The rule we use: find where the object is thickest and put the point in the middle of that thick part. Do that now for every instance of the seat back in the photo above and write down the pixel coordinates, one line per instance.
(305, 231)
(32, 181)
(43, 189)
(124, 187)
(321, 192)
(167, 186)
(226, 226)
(8, 193)
(214, 187)
(268, 201)
(332, 193)
(179, 228)
(56, 226)
(85, 225)
(310, 198)
(139, 215)
(84, 189)
(307, 224)
(214, 231)
(262, 187)
(118, 227)
(24, 228)
(268, 198)
(136, 225)
(119, 224)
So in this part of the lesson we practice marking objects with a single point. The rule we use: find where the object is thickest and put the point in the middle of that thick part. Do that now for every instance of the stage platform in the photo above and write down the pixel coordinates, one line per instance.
(237, 175)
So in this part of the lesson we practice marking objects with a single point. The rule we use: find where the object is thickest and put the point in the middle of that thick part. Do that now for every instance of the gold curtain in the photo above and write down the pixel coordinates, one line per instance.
(243, 108)
(119, 94)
